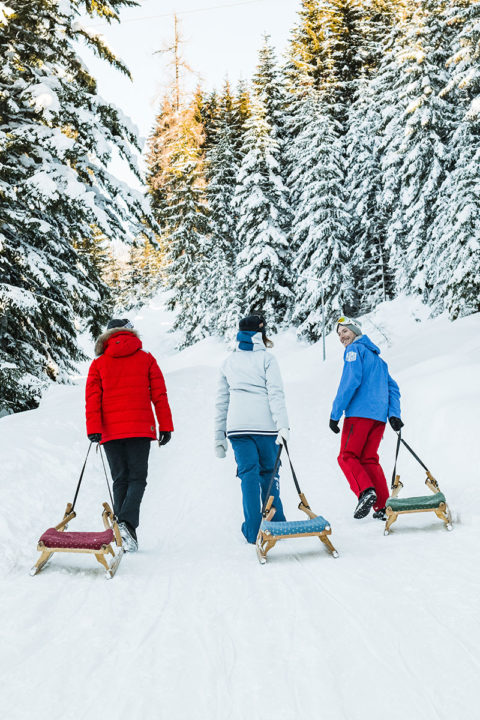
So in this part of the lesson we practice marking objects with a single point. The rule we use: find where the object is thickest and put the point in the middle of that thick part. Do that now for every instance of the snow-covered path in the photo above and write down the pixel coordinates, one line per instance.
(192, 626)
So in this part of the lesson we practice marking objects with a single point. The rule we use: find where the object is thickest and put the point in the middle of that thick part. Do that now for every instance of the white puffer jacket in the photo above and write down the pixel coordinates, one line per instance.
(250, 397)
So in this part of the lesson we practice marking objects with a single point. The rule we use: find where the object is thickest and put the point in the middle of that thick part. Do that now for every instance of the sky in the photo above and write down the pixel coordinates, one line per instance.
(222, 39)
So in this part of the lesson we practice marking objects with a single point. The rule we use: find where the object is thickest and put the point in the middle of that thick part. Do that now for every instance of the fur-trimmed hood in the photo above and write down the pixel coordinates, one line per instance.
(104, 337)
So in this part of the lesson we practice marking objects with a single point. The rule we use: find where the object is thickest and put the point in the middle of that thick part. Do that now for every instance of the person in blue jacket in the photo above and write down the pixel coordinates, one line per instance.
(251, 413)
(368, 396)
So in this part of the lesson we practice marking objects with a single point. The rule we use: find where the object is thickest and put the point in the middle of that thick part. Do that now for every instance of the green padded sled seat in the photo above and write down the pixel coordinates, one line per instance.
(425, 502)
(318, 524)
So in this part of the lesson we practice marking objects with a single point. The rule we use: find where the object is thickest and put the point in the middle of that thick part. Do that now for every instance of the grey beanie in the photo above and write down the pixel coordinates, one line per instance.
(354, 325)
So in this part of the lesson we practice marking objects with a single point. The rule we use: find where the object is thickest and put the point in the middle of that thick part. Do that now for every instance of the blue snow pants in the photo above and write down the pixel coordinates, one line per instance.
(255, 456)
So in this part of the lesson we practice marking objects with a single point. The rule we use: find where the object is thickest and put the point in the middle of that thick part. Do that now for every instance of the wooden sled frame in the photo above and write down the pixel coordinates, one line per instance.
(266, 541)
(110, 524)
(442, 511)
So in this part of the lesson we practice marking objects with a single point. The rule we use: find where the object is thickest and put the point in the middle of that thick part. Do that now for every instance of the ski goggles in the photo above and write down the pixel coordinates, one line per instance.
(346, 321)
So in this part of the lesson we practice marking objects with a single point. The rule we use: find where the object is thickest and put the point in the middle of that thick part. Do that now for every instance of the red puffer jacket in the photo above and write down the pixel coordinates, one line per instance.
(121, 386)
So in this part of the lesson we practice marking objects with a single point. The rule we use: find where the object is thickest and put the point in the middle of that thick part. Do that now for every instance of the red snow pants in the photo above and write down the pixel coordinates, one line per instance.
(358, 457)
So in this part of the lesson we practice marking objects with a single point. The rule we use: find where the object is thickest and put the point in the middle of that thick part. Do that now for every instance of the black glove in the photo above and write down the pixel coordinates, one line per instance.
(164, 436)
(334, 426)
(395, 423)
(95, 437)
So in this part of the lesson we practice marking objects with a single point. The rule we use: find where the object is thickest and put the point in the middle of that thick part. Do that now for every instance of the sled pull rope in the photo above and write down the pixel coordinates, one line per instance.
(291, 468)
(275, 470)
(81, 478)
(401, 440)
(106, 478)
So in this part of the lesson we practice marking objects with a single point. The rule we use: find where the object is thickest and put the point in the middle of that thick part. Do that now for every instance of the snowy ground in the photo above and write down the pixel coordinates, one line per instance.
(192, 626)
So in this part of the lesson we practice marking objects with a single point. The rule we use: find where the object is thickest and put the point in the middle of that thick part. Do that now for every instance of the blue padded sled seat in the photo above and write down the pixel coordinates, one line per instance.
(318, 524)
(424, 502)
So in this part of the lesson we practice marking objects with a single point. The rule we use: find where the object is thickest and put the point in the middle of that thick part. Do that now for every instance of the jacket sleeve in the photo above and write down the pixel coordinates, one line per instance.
(222, 402)
(276, 395)
(349, 382)
(158, 395)
(93, 400)
(393, 398)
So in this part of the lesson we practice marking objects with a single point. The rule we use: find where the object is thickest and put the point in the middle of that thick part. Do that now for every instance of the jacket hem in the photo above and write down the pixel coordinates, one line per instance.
(125, 436)
(250, 431)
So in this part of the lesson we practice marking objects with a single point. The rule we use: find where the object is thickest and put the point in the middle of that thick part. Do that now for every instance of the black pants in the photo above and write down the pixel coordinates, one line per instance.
(128, 460)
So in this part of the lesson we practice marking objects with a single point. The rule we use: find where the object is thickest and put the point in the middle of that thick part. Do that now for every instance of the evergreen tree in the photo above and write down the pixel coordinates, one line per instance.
(415, 151)
(307, 66)
(207, 114)
(453, 261)
(56, 137)
(241, 111)
(347, 50)
(321, 225)
(222, 164)
(452, 265)
(260, 201)
(143, 274)
(330, 51)
(269, 87)
(372, 276)
(185, 220)
(161, 146)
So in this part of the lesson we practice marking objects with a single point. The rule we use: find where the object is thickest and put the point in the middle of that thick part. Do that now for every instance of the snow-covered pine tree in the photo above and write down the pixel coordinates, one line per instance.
(330, 51)
(452, 265)
(142, 275)
(321, 224)
(346, 47)
(453, 262)
(161, 144)
(221, 171)
(380, 16)
(372, 275)
(415, 143)
(307, 65)
(56, 138)
(370, 259)
(185, 220)
(241, 111)
(270, 88)
(207, 114)
(260, 201)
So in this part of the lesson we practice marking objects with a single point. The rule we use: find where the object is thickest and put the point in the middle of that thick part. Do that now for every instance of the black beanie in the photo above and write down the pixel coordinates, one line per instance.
(254, 323)
(119, 324)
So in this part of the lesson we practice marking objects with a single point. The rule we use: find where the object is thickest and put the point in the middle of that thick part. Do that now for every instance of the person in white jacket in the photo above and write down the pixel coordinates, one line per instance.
(251, 413)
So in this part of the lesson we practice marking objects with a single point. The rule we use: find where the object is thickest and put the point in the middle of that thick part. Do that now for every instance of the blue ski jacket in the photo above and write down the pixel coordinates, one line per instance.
(366, 388)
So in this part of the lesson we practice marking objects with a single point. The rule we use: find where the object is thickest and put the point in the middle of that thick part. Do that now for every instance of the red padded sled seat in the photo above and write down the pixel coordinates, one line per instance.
(52, 538)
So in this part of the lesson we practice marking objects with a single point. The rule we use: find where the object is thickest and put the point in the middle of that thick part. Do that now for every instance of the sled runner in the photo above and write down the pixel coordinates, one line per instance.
(270, 532)
(56, 539)
(436, 503)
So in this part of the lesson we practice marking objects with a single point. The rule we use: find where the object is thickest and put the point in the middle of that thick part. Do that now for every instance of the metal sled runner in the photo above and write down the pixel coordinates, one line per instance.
(100, 543)
(436, 503)
(270, 532)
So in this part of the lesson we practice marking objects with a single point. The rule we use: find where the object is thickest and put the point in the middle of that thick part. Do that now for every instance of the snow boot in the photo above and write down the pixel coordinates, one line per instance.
(366, 500)
(129, 537)
(380, 514)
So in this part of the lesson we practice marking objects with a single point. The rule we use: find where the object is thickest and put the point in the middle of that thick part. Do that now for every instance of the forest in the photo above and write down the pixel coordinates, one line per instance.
(344, 173)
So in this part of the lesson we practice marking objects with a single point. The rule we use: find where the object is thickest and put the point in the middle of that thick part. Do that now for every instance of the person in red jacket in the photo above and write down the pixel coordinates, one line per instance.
(123, 382)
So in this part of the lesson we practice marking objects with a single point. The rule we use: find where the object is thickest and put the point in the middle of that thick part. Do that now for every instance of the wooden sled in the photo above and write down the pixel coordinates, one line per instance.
(270, 532)
(436, 503)
(96, 543)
